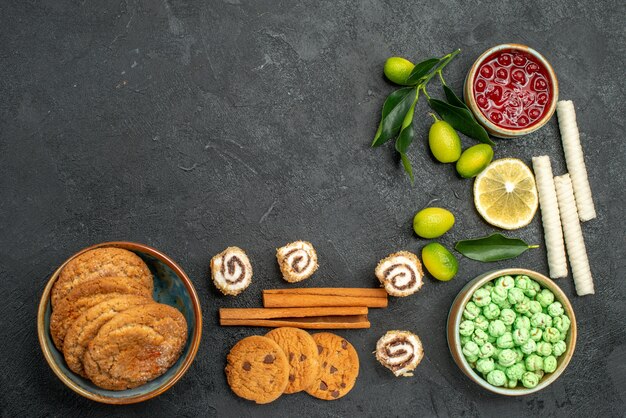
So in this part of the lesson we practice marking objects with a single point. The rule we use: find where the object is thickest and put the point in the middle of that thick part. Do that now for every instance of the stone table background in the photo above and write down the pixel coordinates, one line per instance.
(194, 125)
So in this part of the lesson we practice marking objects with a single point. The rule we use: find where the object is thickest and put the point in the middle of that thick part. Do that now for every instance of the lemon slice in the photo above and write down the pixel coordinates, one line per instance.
(505, 194)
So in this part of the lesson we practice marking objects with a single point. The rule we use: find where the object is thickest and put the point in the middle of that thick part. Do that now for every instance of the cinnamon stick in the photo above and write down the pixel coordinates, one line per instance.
(308, 318)
(321, 297)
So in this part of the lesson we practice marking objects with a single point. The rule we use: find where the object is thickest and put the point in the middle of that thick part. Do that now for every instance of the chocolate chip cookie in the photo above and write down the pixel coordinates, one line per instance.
(257, 369)
(136, 346)
(101, 262)
(339, 367)
(301, 351)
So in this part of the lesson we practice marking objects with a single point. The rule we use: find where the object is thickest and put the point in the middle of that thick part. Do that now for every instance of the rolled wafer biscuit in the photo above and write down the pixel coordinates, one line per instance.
(574, 241)
(550, 217)
(231, 271)
(400, 273)
(575, 160)
(400, 352)
(297, 261)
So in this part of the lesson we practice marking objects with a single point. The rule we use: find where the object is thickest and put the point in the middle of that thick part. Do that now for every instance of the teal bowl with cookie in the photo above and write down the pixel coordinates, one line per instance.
(172, 287)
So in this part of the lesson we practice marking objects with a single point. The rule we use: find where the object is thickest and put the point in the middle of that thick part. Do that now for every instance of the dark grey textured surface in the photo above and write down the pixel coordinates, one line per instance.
(194, 125)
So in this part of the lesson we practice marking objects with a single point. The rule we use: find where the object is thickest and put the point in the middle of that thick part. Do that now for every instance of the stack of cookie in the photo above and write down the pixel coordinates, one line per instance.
(290, 360)
(106, 323)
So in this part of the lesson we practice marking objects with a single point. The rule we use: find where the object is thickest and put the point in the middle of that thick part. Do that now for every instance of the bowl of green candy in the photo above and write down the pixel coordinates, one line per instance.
(512, 331)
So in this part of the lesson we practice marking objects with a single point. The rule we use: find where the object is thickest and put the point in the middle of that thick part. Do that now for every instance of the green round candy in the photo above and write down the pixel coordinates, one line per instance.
(523, 306)
(496, 378)
(506, 304)
(545, 297)
(505, 340)
(551, 335)
(539, 373)
(535, 334)
(471, 349)
(516, 371)
(485, 365)
(549, 364)
(499, 366)
(528, 347)
(511, 384)
(555, 309)
(530, 291)
(520, 336)
(480, 337)
(541, 320)
(466, 327)
(471, 311)
(534, 307)
(482, 297)
(522, 282)
(515, 295)
(488, 286)
(522, 322)
(507, 357)
(544, 349)
(499, 295)
(506, 282)
(492, 339)
(507, 316)
(562, 323)
(533, 362)
(496, 328)
(491, 311)
(481, 322)
(520, 355)
(530, 380)
(464, 339)
(559, 348)
(471, 360)
(487, 350)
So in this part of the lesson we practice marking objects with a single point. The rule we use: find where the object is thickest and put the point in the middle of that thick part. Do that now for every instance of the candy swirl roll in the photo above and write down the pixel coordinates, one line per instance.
(297, 261)
(400, 352)
(231, 271)
(400, 273)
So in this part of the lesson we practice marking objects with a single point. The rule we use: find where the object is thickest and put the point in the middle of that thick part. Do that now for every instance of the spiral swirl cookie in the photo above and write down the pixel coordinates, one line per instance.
(136, 346)
(301, 351)
(339, 367)
(86, 295)
(297, 261)
(101, 262)
(87, 325)
(257, 369)
(400, 352)
(231, 271)
(400, 273)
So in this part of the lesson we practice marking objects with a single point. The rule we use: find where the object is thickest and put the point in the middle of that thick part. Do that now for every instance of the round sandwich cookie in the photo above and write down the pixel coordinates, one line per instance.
(297, 261)
(400, 273)
(301, 351)
(257, 369)
(87, 325)
(86, 295)
(136, 346)
(231, 271)
(400, 352)
(339, 367)
(101, 262)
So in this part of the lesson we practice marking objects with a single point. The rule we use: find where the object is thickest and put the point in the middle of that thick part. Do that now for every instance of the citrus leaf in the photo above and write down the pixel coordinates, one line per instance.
(406, 163)
(421, 69)
(461, 119)
(494, 247)
(395, 108)
(407, 133)
(453, 99)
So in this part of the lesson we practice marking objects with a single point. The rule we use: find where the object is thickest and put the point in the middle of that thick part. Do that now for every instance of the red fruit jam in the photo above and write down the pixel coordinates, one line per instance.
(512, 89)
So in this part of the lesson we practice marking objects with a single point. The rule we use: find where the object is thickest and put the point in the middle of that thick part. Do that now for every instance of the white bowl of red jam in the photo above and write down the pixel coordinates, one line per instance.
(512, 90)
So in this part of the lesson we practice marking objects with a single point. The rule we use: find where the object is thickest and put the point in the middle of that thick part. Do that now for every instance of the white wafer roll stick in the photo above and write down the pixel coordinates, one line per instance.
(575, 160)
(573, 236)
(550, 217)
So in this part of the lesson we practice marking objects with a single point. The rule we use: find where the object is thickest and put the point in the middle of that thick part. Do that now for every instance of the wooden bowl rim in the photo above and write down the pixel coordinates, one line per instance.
(195, 337)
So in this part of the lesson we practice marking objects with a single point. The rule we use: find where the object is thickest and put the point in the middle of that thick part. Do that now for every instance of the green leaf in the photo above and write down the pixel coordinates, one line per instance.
(453, 99)
(461, 119)
(421, 69)
(407, 133)
(395, 108)
(494, 247)
(406, 163)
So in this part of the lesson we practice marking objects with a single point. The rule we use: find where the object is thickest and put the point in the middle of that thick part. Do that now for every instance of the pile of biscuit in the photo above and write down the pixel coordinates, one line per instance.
(290, 360)
(106, 323)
